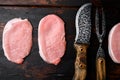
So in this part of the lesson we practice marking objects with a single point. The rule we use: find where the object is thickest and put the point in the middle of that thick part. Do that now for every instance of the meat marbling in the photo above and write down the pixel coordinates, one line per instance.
(51, 39)
(17, 39)
(114, 43)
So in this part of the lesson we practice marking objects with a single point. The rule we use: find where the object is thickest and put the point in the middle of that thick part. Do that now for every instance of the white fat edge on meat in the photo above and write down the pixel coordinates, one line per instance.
(10, 22)
(40, 50)
(7, 28)
(110, 45)
(40, 23)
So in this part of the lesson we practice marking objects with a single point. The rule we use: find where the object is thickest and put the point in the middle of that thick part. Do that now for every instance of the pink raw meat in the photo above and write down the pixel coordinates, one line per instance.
(17, 39)
(51, 39)
(114, 43)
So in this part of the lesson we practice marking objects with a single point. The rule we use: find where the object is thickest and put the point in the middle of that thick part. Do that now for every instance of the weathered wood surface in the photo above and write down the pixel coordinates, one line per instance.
(112, 69)
(34, 68)
(112, 18)
(44, 2)
(59, 3)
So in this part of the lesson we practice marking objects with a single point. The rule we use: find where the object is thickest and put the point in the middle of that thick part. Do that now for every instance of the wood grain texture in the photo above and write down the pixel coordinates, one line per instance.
(44, 2)
(80, 62)
(112, 18)
(60, 3)
(34, 68)
(101, 69)
(112, 69)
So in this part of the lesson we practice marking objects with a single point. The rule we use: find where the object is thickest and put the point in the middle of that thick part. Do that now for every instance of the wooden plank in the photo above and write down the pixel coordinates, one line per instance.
(107, 3)
(34, 68)
(58, 3)
(44, 2)
(112, 69)
(112, 18)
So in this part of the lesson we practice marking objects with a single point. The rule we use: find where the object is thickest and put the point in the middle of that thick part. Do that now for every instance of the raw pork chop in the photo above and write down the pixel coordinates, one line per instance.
(114, 43)
(17, 39)
(51, 39)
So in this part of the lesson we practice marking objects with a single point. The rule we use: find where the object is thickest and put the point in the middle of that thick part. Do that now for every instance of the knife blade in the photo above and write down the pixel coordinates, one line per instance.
(83, 33)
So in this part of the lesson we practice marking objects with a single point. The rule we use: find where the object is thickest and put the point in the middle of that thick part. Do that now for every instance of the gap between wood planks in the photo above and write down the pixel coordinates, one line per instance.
(41, 6)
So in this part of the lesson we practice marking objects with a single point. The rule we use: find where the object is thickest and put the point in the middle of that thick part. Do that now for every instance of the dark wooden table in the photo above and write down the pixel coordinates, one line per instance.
(34, 68)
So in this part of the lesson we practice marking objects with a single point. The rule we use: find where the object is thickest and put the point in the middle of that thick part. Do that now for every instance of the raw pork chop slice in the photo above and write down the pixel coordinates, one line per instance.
(17, 39)
(51, 39)
(114, 43)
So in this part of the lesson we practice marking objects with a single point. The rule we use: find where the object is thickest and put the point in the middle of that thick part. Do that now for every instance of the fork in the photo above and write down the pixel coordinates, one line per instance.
(100, 57)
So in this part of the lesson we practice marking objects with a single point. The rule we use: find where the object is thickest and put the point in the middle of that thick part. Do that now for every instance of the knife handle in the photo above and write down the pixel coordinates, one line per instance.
(100, 64)
(80, 63)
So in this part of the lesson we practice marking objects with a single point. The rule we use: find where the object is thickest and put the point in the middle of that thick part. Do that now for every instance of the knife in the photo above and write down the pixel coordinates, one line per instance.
(83, 33)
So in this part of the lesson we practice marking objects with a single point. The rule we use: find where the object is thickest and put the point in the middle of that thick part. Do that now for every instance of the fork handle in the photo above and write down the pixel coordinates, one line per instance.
(101, 69)
(100, 64)
(80, 63)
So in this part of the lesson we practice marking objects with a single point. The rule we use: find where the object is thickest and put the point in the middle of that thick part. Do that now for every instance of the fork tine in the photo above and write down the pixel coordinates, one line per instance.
(103, 23)
(97, 22)
(100, 36)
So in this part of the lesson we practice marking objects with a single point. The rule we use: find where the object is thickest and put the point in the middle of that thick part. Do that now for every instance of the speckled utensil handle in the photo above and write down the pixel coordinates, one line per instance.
(80, 63)
(100, 65)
